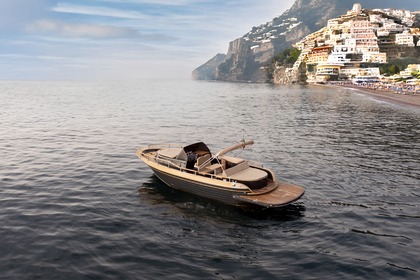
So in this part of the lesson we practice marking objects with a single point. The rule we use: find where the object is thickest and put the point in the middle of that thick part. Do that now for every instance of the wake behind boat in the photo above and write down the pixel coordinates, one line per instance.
(230, 180)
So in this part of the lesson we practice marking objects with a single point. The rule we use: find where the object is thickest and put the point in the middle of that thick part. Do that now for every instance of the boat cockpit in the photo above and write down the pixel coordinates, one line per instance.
(197, 157)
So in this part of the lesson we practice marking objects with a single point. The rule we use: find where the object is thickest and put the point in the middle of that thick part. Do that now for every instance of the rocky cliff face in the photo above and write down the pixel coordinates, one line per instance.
(248, 56)
(207, 70)
(244, 63)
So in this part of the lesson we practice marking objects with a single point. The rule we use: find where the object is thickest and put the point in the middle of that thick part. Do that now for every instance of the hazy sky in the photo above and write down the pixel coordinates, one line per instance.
(117, 39)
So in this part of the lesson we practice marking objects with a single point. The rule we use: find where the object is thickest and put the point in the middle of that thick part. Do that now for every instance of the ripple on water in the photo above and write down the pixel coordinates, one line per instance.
(76, 203)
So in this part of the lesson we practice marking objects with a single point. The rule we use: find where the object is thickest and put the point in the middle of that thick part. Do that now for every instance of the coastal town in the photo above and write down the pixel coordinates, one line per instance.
(352, 47)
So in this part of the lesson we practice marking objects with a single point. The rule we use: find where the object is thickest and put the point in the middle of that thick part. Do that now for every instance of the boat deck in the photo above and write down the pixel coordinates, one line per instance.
(270, 187)
(284, 194)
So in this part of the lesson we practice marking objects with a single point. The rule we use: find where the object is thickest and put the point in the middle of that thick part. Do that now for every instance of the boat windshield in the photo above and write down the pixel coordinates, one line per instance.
(199, 149)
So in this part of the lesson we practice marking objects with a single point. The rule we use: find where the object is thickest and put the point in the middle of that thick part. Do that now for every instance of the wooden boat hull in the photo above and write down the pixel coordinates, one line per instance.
(224, 195)
(227, 192)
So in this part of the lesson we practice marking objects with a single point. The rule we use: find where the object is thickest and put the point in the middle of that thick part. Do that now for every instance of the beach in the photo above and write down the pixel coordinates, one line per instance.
(392, 93)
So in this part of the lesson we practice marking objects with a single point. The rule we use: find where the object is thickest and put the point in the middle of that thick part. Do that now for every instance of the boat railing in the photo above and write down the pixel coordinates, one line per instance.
(171, 164)
(162, 160)
(165, 146)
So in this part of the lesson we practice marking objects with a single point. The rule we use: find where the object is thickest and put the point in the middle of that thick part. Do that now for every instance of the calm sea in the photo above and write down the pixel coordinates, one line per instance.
(76, 202)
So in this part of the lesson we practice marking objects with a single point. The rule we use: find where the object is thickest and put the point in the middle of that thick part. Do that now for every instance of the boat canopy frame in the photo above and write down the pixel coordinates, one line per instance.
(219, 154)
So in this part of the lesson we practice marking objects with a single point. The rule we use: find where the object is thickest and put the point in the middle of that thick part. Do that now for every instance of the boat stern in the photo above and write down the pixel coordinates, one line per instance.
(284, 194)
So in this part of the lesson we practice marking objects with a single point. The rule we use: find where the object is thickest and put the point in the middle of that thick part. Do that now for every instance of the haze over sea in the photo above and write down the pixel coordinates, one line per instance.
(76, 202)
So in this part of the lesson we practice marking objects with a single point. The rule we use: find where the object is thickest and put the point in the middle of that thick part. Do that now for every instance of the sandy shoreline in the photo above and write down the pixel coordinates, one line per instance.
(412, 100)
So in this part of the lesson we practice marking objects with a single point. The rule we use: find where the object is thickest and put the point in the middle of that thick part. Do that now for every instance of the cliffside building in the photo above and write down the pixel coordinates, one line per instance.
(318, 55)
(405, 38)
(359, 37)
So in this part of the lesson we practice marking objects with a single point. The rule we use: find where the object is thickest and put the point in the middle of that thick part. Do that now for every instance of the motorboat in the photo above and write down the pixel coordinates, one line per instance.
(220, 177)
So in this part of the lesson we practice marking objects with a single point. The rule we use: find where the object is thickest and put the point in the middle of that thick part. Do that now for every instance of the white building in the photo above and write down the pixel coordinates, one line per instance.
(357, 9)
(404, 38)
(342, 54)
(375, 57)
(382, 32)
(349, 72)
(391, 26)
(364, 34)
(333, 23)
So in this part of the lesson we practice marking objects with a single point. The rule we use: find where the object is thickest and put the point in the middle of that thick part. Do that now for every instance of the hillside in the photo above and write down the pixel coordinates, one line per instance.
(358, 43)
(248, 56)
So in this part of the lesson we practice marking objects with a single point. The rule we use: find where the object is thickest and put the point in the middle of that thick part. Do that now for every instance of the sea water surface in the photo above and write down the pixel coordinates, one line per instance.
(76, 202)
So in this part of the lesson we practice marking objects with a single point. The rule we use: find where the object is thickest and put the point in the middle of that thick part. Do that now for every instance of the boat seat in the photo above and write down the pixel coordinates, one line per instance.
(201, 153)
(213, 169)
(242, 172)
(202, 160)
(237, 168)
(169, 152)
(250, 175)
(233, 160)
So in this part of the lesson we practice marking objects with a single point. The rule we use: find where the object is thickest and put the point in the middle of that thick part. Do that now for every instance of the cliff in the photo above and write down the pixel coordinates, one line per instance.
(207, 70)
(248, 56)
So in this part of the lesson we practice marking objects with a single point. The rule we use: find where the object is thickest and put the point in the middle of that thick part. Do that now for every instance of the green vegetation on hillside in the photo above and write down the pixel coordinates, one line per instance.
(416, 21)
(389, 69)
(396, 66)
(287, 57)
